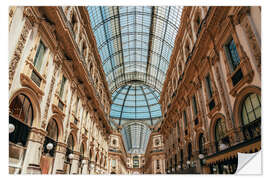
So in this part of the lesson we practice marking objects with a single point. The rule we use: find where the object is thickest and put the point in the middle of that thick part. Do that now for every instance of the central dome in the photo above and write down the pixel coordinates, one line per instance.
(135, 101)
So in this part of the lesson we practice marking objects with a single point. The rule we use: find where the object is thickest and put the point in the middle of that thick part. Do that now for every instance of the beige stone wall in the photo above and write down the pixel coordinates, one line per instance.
(27, 27)
(186, 77)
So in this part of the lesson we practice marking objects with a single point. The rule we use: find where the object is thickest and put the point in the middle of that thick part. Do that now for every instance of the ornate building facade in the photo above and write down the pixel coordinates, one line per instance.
(211, 98)
(70, 104)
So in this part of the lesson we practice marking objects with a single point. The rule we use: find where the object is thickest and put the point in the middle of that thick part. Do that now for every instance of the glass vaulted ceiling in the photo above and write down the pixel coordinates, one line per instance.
(135, 42)
(135, 45)
(135, 102)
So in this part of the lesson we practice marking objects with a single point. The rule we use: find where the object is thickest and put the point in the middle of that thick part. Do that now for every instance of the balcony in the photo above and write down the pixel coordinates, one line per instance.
(238, 75)
(81, 57)
(252, 130)
(241, 75)
(30, 77)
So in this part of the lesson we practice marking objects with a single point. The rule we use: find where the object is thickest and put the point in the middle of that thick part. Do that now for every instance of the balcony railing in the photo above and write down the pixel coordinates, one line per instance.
(237, 77)
(252, 130)
(36, 78)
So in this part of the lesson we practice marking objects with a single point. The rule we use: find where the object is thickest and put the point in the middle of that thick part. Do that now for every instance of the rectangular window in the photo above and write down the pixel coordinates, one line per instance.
(185, 119)
(158, 166)
(62, 86)
(232, 54)
(39, 56)
(194, 105)
(209, 87)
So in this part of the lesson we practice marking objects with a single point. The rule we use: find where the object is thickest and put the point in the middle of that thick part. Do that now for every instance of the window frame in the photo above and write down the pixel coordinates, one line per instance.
(194, 105)
(62, 86)
(209, 86)
(248, 98)
(38, 61)
(229, 55)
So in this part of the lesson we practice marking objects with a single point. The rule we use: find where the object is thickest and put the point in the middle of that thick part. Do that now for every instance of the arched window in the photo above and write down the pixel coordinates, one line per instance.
(69, 150)
(251, 116)
(90, 68)
(21, 118)
(51, 137)
(84, 50)
(52, 130)
(201, 144)
(251, 109)
(82, 150)
(220, 131)
(70, 147)
(74, 23)
(70, 142)
(21, 109)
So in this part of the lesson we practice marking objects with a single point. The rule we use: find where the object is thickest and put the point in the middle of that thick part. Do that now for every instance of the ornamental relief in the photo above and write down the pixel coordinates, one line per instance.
(225, 104)
(44, 122)
(18, 51)
(12, 10)
(254, 45)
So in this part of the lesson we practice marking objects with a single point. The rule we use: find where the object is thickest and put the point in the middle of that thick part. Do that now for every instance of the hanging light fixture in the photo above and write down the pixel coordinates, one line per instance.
(49, 146)
(201, 156)
(11, 128)
(70, 156)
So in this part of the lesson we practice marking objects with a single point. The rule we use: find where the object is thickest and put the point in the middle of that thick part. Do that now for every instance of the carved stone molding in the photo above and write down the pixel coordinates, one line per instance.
(28, 13)
(253, 41)
(61, 148)
(16, 57)
(37, 135)
(44, 122)
(224, 101)
(12, 10)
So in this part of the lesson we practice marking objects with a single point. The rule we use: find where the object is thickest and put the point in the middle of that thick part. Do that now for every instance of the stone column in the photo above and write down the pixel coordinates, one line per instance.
(59, 159)
(85, 166)
(31, 164)
(75, 163)
(92, 169)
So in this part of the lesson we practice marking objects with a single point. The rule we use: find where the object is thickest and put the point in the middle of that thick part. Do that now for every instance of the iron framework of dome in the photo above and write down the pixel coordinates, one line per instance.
(135, 44)
(135, 102)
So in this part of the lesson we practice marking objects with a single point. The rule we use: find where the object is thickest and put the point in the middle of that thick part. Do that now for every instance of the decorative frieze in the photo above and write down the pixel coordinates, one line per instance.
(16, 57)
(253, 41)
(37, 135)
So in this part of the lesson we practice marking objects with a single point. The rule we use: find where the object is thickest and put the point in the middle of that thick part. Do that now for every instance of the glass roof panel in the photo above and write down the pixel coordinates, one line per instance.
(142, 35)
(135, 101)
(136, 136)
(135, 45)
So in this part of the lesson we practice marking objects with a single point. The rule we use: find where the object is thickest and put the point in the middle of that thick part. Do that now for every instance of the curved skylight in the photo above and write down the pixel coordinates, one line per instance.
(135, 102)
(135, 43)
(136, 136)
